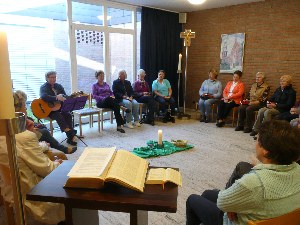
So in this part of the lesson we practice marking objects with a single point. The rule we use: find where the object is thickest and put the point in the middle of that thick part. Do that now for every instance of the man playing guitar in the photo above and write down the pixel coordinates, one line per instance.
(54, 93)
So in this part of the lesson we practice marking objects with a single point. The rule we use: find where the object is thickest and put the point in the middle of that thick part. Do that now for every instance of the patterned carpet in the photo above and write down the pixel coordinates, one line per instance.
(206, 166)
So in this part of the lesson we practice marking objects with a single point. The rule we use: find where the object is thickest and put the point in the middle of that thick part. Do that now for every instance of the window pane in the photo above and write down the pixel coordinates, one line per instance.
(120, 18)
(87, 13)
(89, 47)
(36, 45)
(121, 55)
(138, 40)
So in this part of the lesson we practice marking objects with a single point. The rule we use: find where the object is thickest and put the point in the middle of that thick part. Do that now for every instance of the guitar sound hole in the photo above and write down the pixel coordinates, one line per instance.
(41, 107)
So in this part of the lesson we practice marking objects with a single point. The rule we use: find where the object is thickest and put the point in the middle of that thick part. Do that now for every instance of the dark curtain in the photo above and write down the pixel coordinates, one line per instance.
(160, 45)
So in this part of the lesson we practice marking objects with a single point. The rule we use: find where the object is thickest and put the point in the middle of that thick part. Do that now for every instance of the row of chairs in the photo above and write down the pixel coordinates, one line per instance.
(90, 111)
(235, 116)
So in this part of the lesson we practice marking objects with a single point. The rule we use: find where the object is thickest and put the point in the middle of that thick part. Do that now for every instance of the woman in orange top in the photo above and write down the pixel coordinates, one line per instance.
(232, 96)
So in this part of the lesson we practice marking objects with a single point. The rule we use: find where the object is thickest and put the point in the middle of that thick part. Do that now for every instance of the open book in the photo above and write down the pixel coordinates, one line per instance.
(162, 175)
(98, 165)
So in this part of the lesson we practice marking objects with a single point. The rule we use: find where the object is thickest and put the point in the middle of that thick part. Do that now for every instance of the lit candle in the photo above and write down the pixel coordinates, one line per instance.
(7, 110)
(159, 137)
(179, 62)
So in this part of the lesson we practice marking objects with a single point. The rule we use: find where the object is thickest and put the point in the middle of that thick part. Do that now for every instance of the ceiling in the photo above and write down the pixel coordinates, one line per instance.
(184, 5)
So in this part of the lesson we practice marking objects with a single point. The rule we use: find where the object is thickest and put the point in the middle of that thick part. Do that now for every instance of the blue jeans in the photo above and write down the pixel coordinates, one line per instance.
(164, 104)
(203, 209)
(134, 107)
(205, 106)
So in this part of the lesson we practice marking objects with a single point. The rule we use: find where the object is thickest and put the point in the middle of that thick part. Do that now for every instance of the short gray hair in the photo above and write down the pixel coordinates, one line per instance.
(20, 98)
(263, 75)
(140, 71)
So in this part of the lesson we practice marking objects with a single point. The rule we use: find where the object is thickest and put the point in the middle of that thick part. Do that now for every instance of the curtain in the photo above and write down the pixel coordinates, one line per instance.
(160, 45)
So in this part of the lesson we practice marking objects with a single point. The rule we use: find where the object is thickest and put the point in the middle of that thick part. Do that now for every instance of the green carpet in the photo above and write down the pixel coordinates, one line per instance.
(152, 149)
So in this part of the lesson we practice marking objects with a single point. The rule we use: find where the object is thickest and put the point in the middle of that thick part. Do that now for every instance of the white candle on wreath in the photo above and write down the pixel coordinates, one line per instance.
(179, 62)
(159, 137)
(7, 110)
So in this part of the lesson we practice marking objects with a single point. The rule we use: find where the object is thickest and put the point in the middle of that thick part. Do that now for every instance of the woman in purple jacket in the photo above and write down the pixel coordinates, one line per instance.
(106, 99)
(142, 94)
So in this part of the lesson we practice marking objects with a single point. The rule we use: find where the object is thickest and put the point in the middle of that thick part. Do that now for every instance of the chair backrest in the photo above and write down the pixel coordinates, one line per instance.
(5, 174)
(292, 218)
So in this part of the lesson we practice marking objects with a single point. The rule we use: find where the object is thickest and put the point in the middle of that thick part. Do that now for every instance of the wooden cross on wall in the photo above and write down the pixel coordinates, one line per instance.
(187, 35)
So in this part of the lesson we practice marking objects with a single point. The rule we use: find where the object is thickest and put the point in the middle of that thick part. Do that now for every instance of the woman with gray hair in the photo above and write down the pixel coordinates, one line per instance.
(258, 95)
(142, 94)
(281, 101)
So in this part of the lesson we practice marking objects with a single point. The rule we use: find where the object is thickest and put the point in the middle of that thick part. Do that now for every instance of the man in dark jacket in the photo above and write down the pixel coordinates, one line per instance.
(281, 101)
(54, 93)
(123, 93)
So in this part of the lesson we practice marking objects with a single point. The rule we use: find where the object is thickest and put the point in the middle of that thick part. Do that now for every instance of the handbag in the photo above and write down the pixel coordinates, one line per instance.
(245, 102)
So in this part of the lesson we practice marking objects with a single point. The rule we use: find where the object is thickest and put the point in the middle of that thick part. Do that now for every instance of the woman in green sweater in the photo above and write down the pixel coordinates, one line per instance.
(270, 189)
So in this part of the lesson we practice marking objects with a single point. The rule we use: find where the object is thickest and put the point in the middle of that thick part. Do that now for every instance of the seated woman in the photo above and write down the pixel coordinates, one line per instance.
(270, 189)
(123, 92)
(163, 92)
(45, 138)
(34, 165)
(281, 101)
(143, 94)
(258, 95)
(210, 92)
(106, 99)
(232, 96)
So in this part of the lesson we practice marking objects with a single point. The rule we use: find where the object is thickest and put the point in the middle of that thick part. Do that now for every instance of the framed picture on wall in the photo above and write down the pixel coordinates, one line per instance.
(232, 52)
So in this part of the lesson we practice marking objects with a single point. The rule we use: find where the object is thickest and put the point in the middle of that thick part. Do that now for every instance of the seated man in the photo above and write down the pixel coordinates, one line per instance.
(163, 92)
(270, 189)
(123, 93)
(54, 93)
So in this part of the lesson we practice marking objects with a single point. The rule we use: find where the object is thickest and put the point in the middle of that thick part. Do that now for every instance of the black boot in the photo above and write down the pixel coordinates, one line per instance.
(70, 134)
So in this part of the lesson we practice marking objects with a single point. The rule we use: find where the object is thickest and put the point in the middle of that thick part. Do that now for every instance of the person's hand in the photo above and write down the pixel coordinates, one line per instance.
(59, 161)
(130, 98)
(112, 97)
(60, 97)
(232, 216)
(167, 97)
(293, 110)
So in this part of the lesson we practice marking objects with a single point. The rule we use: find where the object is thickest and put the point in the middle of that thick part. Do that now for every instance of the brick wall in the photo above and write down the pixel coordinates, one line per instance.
(272, 43)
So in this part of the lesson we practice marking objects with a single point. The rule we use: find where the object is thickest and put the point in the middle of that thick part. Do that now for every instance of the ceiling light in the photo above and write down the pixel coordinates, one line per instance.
(196, 2)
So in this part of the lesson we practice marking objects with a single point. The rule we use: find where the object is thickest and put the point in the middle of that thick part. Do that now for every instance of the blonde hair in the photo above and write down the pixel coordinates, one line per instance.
(287, 78)
(263, 75)
(214, 72)
(20, 98)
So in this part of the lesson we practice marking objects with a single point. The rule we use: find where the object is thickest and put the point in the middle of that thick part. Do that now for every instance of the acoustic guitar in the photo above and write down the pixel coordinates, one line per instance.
(42, 109)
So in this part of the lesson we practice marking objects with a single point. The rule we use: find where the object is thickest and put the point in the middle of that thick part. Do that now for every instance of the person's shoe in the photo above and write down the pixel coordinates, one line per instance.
(151, 122)
(247, 130)
(253, 133)
(70, 134)
(120, 130)
(128, 125)
(203, 118)
(220, 124)
(71, 150)
(74, 131)
(239, 128)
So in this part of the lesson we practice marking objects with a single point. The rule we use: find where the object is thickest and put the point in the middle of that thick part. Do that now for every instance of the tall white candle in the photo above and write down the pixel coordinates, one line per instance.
(7, 110)
(159, 137)
(179, 62)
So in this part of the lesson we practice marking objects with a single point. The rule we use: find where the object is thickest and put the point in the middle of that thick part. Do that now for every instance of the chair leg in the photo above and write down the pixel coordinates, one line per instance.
(99, 121)
(101, 112)
(51, 127)
(80, 125)
(141, 111)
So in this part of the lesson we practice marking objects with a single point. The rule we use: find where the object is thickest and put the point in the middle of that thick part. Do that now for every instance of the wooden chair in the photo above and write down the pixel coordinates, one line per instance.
(292, 218)
(214, 107)
(90, 111)
(5, 176)
(235, 112)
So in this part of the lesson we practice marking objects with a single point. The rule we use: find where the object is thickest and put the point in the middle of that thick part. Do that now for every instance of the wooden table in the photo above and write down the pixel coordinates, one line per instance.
(111, 198)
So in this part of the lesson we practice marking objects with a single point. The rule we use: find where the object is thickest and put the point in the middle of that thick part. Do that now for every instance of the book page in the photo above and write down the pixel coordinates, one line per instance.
(129, 170)
(156, 176)
(173, 176)
(92, 162)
